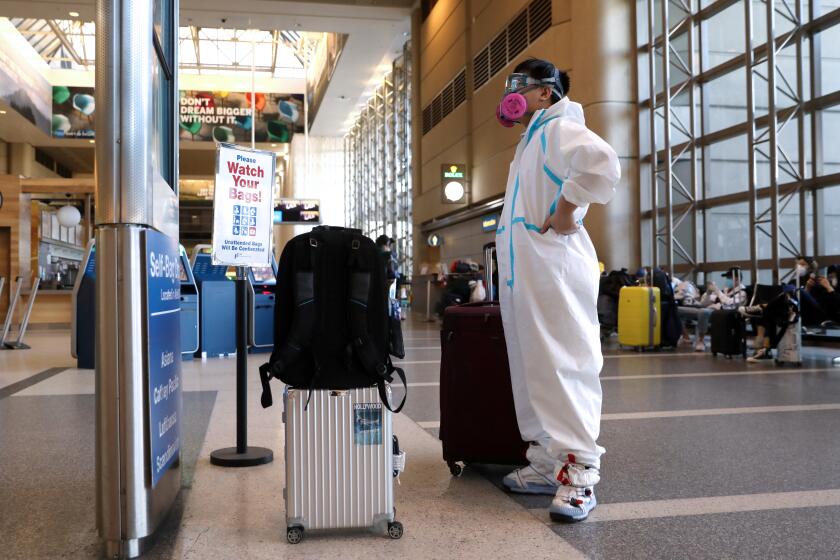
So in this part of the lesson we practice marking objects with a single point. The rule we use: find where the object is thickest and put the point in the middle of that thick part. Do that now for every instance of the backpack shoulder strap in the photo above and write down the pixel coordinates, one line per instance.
(359, 268)
(304, 318)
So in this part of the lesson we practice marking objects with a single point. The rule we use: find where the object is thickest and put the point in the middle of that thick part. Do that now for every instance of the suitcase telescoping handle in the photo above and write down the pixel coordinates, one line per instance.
(480, 304)
(489, 258)
(652, 316)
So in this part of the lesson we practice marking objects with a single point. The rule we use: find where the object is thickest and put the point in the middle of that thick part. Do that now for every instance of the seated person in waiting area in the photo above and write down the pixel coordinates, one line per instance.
(820, 300)
(732, 296)
(768, 316)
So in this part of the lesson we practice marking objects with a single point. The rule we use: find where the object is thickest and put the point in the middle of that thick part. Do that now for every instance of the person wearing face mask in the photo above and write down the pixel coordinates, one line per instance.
(549, 277)
(768, 317)
(732, 296)
(824, 301)
(818, 303)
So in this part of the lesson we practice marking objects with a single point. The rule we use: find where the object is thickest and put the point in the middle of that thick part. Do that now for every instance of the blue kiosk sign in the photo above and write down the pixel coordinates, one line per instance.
(163, 305)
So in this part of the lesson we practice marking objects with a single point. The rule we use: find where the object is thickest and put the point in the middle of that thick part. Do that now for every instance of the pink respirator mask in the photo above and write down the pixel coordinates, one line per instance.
(510, 109)
(513, 104)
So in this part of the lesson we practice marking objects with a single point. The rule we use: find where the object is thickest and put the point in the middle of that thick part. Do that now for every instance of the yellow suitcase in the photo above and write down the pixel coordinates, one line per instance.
(639, 317)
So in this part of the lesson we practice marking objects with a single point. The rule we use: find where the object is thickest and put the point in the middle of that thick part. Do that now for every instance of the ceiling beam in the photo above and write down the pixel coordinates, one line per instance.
(196, 43)
(66, 43)
(58, 186)
(275, 37)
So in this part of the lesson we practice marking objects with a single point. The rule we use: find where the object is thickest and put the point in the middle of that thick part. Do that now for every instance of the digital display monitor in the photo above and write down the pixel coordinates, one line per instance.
(182, 274)
(263, 275)
(297, 211)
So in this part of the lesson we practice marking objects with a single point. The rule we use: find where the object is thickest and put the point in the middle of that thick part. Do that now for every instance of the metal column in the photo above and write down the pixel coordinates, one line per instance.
(654, 168)
(749, 68)
(135, 206)
(668, 229)
(772, 140)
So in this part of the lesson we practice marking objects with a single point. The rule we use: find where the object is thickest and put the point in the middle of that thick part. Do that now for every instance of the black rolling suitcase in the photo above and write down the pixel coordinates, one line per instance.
(729, 333)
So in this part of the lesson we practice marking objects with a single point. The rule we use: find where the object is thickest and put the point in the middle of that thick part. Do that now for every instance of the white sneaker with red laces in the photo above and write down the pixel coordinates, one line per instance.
(571, 504)
(575, 497)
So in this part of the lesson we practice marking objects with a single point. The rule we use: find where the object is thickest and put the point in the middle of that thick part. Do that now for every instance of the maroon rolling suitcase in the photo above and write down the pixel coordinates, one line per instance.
(477, 416)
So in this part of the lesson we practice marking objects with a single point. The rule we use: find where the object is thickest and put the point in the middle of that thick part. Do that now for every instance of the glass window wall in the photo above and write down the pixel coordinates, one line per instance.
(760, 116)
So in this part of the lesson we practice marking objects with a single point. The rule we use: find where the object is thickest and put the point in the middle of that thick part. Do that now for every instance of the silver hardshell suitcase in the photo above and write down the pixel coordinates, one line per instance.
(340, 464)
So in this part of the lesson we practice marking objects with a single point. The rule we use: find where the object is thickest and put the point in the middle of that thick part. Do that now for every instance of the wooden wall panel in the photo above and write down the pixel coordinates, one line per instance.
(10, 218)
(51, 309)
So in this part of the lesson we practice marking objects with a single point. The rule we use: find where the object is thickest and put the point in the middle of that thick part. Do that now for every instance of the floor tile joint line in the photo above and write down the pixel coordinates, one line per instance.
(23, 384)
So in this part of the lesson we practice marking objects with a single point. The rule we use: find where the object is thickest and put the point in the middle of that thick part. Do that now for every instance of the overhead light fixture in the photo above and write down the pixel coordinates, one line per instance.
(92, 141)
(2, 112)
(74, 14)
(274, 145)
(454, 191)
(69, 216)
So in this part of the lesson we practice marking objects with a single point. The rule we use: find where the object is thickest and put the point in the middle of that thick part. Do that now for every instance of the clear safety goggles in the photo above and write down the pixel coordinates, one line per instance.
(518, 81)
(515, 82)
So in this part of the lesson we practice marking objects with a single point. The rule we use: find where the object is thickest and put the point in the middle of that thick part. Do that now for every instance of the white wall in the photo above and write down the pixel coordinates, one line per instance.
(325, 178)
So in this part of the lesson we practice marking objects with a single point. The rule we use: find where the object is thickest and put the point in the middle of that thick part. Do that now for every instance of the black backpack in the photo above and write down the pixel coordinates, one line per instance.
(671, 323)
(612, 283)
(331, 319)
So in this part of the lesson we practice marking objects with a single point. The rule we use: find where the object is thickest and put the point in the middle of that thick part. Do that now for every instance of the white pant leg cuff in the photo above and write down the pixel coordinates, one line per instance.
(578, 476)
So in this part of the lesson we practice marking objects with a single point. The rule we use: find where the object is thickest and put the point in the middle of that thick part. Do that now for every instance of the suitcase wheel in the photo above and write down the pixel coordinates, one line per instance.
(395, 530)
(295, 534)
(456, 469)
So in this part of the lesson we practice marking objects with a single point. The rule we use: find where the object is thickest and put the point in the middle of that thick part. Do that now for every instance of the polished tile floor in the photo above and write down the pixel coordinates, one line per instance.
(706, 458)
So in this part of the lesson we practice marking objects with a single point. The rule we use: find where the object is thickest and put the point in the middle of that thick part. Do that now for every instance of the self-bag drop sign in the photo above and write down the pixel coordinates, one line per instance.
(243, 206)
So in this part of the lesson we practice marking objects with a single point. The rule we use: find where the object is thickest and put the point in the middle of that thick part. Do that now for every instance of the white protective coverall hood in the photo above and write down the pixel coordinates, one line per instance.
(548, 283)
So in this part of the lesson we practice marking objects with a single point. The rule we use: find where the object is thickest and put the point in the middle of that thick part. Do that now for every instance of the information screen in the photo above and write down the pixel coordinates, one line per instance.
(263, 275)
(297, 211)
(182, 274)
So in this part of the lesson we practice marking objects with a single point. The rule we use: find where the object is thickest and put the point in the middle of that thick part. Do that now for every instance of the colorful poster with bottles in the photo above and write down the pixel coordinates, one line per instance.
(227, 117)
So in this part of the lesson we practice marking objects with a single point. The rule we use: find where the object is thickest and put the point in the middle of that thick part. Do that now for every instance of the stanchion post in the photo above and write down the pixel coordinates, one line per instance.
(428, 300)
(241, 362)
(11, 312)
(18, 344)
(241, 455)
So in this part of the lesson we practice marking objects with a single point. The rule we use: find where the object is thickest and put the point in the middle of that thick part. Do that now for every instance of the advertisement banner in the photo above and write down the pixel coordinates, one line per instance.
(204, 116)
(73, 111)
(163, 297)
(22, 86)
(243, 206)
(227, 117)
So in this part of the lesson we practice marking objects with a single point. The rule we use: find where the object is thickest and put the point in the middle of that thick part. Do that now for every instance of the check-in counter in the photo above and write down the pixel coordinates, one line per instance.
(261, 299)
(189, 308)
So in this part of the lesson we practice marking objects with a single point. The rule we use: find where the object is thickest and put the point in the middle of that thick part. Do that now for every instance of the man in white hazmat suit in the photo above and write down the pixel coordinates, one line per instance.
(548, 289)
